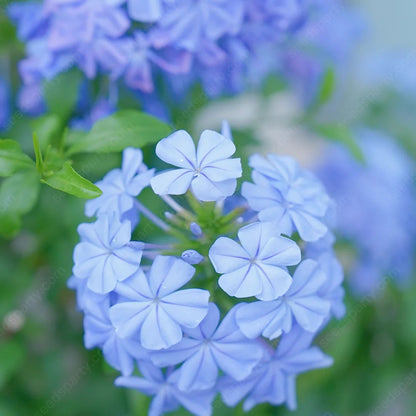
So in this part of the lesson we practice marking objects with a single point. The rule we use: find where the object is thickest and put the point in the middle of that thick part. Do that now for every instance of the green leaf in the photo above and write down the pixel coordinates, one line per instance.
(327, 88)
(12, 356)
(342, 134)
(38, 154)
(19, 193)
(10, 224)
(120, 130)
(12, 159)
(61, 93)
(48, 130)
(69, 181)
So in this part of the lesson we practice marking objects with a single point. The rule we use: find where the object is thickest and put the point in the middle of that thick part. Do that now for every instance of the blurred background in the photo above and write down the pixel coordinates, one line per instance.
(44, 367)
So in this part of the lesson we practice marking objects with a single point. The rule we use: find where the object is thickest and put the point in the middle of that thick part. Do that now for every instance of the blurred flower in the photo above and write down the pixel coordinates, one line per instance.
(376, 206)
(226, 45)
(5, 105)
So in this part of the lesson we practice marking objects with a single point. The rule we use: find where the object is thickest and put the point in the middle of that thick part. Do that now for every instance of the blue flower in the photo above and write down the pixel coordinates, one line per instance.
(208, 348)
(381, 229)
(29, 17)
(120, 188)
(256, 266)
(156, 310)
(207, 170)
(167, 395)
(141, 57)
(185, 23)
(105, 254)
(274, 379)
(302, 304)
(120, 353)
(290, 196)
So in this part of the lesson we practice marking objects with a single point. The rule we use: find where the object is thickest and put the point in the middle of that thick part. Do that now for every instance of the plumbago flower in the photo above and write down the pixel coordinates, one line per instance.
(225, 45)
(199, 311)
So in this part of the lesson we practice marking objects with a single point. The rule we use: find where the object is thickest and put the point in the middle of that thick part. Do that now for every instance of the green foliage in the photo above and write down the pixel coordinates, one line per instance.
(327, 88)
(12, 159)
(69, 181)
(342, 134)
(12, 355)
(54, 149)
(120, 130)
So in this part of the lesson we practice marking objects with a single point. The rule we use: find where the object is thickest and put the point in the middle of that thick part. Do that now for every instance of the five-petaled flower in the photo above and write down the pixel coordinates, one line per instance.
(256, 267)
(154, 308)
(207, 170)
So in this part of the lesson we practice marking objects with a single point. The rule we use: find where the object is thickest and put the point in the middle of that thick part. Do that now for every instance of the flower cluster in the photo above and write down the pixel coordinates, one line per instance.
(200, 311)
(376, 206)
(223, 44)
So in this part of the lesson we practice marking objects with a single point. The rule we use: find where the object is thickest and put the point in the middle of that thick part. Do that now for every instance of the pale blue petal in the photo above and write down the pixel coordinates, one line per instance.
(172, 182)
(132, 160)
(128, 317)
(175, 354)
(199, 372)
(241, 283)
(168, 274)
(212, 147)
(187, 307)
(227, 255)
(178, 149)
(253, 318)
(159, 330)
(275, 281)
(222, 170)
(308, 227)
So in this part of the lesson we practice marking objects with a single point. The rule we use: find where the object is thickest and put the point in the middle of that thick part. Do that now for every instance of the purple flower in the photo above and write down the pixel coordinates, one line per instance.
(207, 170)
(302, 304)
(105, 254)
(208, 348)
(167, 395)
(256, 266)
(290, 196)
(156, 310)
